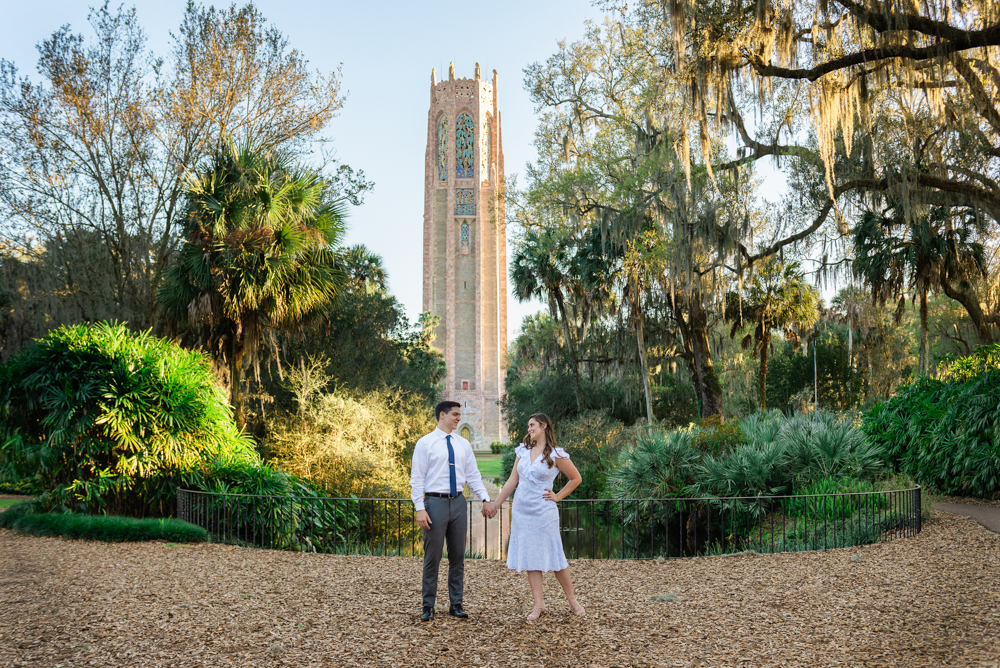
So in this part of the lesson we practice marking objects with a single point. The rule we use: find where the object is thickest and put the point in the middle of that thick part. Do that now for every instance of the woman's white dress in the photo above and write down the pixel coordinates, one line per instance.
(535, 542)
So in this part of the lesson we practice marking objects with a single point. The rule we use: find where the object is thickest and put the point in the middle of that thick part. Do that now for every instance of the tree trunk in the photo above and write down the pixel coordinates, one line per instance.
(645, 365)
(970, 301)
(850, 342)
(764, 344)
(923, 333)
(710, 389)
(572, 348)
(235, 375)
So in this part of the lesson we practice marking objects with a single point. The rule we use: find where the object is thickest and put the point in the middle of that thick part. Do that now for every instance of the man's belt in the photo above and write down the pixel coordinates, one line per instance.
(442, 495)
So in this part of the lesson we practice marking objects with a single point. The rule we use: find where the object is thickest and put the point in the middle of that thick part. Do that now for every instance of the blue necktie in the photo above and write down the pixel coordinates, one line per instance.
(451, 466)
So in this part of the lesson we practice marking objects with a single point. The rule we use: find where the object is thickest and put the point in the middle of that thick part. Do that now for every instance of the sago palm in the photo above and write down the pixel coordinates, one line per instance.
(258, 255)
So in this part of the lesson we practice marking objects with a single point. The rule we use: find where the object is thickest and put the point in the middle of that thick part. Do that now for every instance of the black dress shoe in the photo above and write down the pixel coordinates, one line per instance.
(428, 614)
(456, 611)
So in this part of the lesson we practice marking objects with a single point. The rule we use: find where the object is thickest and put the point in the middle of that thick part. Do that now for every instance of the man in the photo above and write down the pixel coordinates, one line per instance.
(443, 462)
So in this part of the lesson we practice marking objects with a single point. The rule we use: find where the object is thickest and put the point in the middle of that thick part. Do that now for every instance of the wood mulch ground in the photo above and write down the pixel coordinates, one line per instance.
(931, 600)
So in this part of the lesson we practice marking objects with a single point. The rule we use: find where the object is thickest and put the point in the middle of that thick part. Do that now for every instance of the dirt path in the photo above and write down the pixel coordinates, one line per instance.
(987, 516)
(930, 600)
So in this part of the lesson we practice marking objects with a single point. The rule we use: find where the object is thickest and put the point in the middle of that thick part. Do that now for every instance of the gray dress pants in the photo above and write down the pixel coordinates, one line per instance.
(449, 522)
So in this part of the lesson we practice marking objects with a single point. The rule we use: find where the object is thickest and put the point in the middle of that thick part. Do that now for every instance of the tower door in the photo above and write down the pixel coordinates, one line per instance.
(466, 434)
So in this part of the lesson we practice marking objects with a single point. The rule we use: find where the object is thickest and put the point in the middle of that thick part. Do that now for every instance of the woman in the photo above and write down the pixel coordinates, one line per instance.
(535, 544)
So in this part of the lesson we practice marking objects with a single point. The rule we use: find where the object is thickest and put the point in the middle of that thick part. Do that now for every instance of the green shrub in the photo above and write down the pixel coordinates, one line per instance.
(507, 464)
(853, 496)
(723, 438)
(107, 528)
(348, 443)
(25, 486)
(112, 421)
(16, 512)
(593, 440)
(944, 432)
(499, 448)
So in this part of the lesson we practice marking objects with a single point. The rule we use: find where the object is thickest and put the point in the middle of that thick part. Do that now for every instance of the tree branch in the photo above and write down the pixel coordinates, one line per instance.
(967, 40)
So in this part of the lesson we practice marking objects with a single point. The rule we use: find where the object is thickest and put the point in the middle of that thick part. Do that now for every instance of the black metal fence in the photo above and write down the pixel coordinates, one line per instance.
(590, 528)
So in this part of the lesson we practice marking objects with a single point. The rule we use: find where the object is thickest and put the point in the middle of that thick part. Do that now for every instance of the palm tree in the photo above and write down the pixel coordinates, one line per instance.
(363, 267)
(849, 308)
(537, 271)
(776, 297)
(258, 255)
(894, 252)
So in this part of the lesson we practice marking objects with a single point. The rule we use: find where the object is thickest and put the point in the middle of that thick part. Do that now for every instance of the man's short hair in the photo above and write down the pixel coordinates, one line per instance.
(445, 407)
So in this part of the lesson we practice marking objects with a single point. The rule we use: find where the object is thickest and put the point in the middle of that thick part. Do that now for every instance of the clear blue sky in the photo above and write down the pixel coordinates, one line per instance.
(387, 50)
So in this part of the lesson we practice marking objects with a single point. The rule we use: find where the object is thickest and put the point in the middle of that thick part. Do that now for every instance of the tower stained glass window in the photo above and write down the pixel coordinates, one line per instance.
(465, 235)
(464, 152)
(442, 161)
(488, 152)
(465, 203)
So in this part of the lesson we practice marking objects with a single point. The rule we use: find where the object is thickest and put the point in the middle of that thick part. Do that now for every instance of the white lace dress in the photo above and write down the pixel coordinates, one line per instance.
(535, 542)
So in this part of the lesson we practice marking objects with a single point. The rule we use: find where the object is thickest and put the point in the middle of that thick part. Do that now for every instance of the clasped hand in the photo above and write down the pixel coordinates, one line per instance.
(490, 509)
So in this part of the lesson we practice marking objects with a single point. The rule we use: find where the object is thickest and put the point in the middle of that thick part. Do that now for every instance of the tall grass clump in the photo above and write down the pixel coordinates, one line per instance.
(111, 529)
(944, 431)
(112, 421)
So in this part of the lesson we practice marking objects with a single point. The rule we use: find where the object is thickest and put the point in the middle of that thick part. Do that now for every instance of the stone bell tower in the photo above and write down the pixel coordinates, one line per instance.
(465, 248)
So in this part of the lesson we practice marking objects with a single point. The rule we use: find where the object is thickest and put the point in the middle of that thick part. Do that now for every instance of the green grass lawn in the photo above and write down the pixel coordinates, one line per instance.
(7, 503)
(489, 465)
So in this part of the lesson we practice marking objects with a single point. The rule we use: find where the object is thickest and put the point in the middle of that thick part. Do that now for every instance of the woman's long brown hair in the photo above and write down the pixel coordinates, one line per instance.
(550, 437)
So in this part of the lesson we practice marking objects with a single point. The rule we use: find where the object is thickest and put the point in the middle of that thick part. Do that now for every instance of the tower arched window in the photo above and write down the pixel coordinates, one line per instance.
(464, 147)
(442, 159)
(488, 150)
(465, 238)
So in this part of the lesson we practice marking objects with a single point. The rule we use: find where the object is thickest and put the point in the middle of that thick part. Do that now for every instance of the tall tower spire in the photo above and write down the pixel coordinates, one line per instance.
(465, 248)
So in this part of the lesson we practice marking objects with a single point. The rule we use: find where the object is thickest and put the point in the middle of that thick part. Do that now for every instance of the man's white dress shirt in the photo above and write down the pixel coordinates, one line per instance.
(429, 469)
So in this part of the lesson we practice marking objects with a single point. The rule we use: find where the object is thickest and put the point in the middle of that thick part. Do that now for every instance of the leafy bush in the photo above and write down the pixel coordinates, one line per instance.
(111, 529)
(622, 398)
(723, 438)
(498, 448)
(15, 485)
(349, 444)
(593, 441)
(111, 421)
(944, 432)
(853, 497)
(507, 464)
